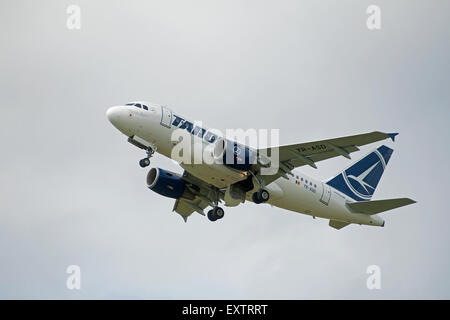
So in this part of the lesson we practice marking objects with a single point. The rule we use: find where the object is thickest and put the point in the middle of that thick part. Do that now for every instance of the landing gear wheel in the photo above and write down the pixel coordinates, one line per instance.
(215, 214)
(264, 195)
(260, 196)
(144, 162)
(211, 215)
(255, 198)
(218, 212)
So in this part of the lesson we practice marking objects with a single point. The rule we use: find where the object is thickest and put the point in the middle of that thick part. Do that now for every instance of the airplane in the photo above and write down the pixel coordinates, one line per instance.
(344, 199)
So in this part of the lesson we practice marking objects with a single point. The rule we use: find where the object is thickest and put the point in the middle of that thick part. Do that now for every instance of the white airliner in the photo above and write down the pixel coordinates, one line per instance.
(344, 199)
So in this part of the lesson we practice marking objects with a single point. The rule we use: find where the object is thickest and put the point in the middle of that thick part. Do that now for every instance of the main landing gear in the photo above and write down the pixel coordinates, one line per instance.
(146, 161)
(261, 196)
(216, 213)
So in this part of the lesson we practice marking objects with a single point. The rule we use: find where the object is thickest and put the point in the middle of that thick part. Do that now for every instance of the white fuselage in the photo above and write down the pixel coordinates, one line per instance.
(300, 193)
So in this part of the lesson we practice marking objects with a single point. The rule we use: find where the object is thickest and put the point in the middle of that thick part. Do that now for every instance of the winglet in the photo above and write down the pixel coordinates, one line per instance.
(392, 135)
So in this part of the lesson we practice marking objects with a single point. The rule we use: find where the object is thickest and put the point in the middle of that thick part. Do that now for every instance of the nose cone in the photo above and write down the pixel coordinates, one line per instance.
(113, 115)
(121, 118)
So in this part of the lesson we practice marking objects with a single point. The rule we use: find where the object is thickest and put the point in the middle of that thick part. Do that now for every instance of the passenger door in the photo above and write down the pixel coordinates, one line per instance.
(326, 194)
(166, 117)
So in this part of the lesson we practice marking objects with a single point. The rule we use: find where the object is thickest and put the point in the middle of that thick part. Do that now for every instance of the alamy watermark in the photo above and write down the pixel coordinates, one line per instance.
(374, 19)
(374, 280)
(74, 19)
(73, 281)
(192, 144)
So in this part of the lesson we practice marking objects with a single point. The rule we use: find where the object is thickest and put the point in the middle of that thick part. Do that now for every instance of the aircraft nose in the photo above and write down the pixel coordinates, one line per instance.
(120, 118)
(113, 115)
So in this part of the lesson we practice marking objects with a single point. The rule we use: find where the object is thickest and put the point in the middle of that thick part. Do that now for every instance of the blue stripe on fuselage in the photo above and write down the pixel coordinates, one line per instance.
(194, 130)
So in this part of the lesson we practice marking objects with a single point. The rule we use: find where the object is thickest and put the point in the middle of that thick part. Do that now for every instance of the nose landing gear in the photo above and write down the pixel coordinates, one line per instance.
(146, 161)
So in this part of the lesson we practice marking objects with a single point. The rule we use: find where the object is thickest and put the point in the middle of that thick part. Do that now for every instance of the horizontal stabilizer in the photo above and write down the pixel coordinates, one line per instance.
(338, 224)
(377, 206)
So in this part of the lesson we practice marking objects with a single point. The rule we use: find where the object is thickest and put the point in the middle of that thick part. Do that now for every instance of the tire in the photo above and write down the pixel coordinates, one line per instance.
(211, 215)
(256, 199)
(264, 195)
(218, 212)
(144, 162)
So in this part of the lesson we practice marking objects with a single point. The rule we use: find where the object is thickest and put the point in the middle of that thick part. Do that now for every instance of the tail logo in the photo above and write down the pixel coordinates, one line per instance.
(363, 182)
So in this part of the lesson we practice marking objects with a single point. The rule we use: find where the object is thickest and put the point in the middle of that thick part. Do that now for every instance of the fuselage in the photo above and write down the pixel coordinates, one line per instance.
(300, 193)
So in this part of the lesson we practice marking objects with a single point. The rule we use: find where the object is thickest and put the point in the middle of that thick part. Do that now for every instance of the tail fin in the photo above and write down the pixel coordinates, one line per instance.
(360, 180)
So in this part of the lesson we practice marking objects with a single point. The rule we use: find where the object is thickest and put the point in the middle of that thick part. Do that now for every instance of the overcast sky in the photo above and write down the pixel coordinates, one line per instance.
(71, 190)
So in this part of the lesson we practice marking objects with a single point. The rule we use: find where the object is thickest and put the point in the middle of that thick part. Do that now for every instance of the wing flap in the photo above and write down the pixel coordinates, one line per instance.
(201, 190)
(377, 206)
(338, 224)
(298, 162)
(186, 207)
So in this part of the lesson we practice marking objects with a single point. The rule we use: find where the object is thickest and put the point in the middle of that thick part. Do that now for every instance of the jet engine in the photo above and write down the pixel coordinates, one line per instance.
(168, 184)
(235, 155)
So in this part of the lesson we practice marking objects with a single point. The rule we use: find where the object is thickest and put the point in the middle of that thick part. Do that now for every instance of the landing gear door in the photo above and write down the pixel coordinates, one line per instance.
(166, 117)
(326, 194)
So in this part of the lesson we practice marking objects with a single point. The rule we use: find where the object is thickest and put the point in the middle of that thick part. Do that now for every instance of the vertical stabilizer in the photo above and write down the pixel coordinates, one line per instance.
(360, 180)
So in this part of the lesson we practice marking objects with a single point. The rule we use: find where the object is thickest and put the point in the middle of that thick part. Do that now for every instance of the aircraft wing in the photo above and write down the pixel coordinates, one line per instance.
(203, 196)
(338, 224)
(297, 155)
(186, 207)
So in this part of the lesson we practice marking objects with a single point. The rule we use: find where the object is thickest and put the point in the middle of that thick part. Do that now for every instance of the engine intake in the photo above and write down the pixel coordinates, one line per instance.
(167, 184)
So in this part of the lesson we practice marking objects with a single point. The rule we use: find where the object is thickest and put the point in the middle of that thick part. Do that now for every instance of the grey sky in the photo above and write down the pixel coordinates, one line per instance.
(72, 192)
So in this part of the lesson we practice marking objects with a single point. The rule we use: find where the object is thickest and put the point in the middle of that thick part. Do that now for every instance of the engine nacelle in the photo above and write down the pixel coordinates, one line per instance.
(167, 184)
(235, 155)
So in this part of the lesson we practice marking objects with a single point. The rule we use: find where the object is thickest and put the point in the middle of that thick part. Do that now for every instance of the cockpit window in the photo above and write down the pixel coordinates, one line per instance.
(143, 106)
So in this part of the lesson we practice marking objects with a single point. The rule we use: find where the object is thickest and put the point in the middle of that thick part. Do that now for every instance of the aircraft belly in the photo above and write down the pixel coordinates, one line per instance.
(299, 199)
(294, 199)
